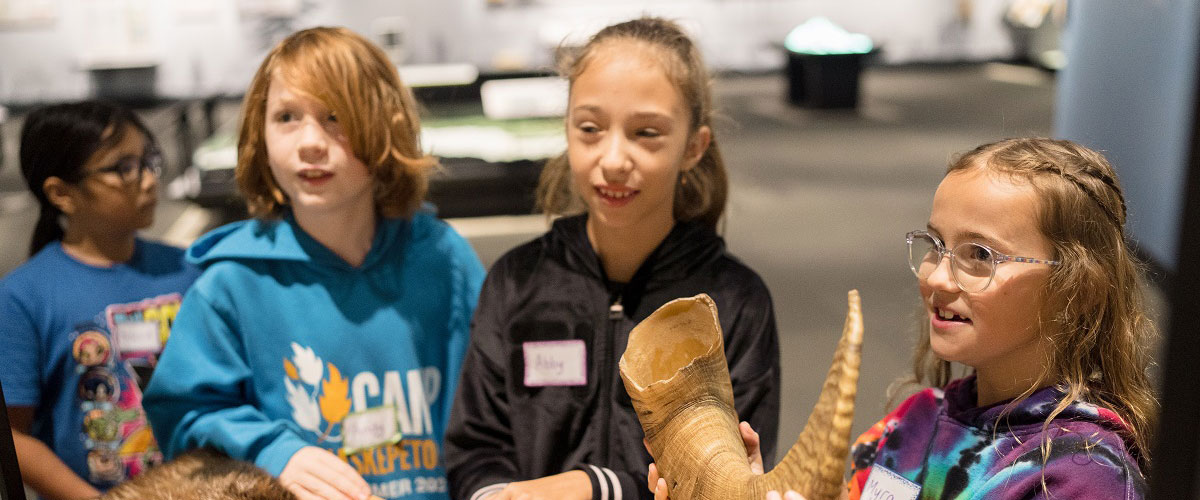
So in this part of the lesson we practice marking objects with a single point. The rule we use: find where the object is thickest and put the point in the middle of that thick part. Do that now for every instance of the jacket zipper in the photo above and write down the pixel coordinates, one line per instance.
(615, 312)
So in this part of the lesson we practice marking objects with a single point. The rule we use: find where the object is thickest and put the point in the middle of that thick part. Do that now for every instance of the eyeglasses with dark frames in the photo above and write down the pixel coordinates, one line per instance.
(972, 265)
(130, 169)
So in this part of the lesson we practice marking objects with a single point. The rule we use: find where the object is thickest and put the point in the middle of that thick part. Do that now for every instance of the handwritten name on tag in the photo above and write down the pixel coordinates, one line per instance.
(369, 428)
(884, 484)
(555, 363)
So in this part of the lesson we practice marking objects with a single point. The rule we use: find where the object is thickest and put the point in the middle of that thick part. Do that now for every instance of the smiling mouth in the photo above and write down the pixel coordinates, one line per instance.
(616, 194)
(945, 315)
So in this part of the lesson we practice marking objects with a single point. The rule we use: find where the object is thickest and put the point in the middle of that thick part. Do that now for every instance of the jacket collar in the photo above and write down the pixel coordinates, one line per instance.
(688, 246)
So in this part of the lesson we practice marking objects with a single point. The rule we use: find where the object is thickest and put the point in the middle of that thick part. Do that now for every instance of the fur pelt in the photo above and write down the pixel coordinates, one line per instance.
(201, 475)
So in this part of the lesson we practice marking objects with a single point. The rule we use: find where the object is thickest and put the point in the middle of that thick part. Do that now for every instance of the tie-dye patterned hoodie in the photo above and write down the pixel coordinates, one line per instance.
(943, 444)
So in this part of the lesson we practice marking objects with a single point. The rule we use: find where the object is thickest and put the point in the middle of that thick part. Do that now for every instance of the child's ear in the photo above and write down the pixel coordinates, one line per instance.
(696, 147)
(60, 194)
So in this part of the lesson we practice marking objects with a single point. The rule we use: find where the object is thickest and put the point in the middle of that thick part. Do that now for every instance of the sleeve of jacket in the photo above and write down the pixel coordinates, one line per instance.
(1090, 465)
(200, 395)
(608, 484)
(480, 454)
(752, 348)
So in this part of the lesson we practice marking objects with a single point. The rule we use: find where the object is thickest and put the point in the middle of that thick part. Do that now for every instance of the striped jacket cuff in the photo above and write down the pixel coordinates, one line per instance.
(488, 491)
(605, 485)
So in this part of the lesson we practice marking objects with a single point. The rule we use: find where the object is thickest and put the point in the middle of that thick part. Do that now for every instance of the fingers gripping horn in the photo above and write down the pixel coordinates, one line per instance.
(675, 372)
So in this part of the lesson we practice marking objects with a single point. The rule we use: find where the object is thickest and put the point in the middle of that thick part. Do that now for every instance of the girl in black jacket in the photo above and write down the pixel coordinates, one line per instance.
(540, 410)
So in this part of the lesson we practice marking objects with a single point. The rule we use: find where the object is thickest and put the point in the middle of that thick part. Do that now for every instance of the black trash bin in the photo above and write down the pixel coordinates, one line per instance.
(826, 81)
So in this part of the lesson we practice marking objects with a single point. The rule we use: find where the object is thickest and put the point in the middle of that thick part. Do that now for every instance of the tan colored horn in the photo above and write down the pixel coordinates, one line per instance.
(675, 372)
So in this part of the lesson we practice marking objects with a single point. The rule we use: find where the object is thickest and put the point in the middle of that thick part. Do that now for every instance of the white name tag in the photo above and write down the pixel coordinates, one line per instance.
(555, 362)
(369, 428)
(884, 484)
(138, 336)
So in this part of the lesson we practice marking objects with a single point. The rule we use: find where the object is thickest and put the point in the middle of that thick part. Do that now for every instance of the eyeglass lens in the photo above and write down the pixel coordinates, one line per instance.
(972, 265)
(131, 169)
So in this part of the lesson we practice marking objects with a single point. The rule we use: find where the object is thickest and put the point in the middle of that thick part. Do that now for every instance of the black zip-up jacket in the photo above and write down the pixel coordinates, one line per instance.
(554, 289)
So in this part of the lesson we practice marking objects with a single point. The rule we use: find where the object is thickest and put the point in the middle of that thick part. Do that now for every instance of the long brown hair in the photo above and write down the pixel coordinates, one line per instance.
(1094, 316)
(361, 86)
(701, 191)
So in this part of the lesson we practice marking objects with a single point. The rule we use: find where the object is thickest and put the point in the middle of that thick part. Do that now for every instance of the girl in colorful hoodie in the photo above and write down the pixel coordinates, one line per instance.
(1026, 277)
(324, 339)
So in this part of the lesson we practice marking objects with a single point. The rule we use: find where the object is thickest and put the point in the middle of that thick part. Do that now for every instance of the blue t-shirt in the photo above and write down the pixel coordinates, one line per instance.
(79, 343)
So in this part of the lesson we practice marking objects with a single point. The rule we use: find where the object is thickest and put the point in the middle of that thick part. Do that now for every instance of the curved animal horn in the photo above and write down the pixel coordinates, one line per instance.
(675, 372)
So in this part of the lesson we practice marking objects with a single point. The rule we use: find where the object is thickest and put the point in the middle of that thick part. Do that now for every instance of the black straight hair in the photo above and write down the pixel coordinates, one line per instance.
(56, 141)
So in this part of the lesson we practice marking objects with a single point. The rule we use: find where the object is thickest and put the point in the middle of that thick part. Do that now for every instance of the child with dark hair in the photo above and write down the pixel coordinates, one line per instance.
(93, 303)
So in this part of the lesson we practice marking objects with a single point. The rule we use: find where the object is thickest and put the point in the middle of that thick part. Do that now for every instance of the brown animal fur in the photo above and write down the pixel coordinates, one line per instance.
(201, 475)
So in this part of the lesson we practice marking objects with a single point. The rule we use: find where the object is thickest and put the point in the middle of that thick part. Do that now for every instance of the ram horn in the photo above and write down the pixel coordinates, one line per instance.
(675, 372)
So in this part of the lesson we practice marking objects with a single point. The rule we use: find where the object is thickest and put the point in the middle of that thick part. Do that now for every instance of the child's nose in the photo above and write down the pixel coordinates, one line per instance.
(313, 142)
(149, 180)
(615, 159)
(941, 277)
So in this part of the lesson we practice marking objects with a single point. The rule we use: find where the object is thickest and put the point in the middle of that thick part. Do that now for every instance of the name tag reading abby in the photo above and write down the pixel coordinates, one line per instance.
(555, 363)
(884, 484)
(138, 336)
(369, 428)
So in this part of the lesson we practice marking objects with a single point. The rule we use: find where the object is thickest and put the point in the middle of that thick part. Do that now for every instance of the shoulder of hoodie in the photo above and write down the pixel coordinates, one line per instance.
(431, 233)
(427, 229)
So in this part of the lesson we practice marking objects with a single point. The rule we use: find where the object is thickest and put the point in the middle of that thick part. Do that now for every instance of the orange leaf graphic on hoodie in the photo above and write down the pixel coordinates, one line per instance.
(290, 369)
(334, 401)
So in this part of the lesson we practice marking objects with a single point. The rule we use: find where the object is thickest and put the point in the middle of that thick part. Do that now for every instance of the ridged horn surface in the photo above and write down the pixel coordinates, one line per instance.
(675, 372)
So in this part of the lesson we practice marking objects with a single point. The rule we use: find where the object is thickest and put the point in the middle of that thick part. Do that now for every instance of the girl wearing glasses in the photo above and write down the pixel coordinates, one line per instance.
(83, 320)
(1027, 279)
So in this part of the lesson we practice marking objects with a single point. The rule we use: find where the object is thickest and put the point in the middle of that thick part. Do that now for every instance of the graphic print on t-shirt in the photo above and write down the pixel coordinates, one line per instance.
(114, 355)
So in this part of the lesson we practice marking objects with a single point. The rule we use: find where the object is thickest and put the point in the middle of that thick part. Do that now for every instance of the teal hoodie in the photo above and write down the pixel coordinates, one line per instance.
(281, 344)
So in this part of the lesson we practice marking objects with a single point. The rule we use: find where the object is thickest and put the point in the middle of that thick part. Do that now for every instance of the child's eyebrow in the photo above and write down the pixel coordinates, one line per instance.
(589, 107)
(653, 115)
(969, 235)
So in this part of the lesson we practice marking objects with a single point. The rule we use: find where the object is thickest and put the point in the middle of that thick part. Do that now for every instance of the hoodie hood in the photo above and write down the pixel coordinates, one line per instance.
(1032, 411)
(285, 240)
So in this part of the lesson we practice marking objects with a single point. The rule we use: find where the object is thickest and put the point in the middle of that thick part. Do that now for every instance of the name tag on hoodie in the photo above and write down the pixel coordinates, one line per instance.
(555, 363)
(884, 484)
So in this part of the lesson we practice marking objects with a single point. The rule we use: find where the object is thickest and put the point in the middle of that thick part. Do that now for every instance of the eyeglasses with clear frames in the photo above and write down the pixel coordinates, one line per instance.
(972, 265)
(130, 169)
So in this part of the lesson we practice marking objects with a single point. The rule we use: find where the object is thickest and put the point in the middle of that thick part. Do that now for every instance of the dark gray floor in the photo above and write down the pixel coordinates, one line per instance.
(819, 205)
